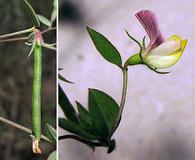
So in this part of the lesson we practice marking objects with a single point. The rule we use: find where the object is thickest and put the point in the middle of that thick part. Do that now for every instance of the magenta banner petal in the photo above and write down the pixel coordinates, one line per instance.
(148, 20)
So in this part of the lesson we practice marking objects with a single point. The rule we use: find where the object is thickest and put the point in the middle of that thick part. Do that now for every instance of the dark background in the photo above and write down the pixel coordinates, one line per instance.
(16, 74)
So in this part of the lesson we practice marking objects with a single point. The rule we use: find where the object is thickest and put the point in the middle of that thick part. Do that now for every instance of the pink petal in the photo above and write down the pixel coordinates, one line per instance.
(38, 36)
(148, 20)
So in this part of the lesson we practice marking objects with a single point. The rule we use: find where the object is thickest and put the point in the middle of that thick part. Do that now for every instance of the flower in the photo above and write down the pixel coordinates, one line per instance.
(38, 36)
(160, 53)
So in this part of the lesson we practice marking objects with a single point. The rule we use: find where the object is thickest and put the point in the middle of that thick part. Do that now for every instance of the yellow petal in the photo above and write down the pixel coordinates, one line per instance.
(174, 37)
(167, 54)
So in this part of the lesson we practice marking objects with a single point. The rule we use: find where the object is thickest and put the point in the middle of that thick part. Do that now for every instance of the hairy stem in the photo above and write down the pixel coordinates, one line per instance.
(82, 140)
(18, 126)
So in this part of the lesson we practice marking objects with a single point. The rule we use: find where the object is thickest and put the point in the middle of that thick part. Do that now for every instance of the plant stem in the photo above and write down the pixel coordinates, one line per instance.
(82, 140)
(18, 126)
(15, 125)
(17, 33)
(14, 39)
(48, 30)
(48, 46)
(123, 98)
(124, 90)
(2, 37)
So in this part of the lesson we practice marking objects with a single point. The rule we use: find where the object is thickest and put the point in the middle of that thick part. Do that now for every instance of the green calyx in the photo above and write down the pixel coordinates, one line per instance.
(134, 60)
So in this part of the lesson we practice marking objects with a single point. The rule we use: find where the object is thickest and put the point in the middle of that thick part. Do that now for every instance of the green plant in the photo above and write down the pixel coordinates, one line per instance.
(96, 126)
(36, 108)
(34, 39)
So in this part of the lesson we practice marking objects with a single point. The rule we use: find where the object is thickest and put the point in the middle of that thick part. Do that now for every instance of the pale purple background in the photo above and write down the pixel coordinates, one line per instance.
(159, 117)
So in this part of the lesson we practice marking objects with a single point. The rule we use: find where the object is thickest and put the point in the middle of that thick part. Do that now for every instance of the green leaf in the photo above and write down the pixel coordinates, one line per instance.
(55, 4)
(76, 129)
(105, 47)
(85, 119)
(44, 20)
(53, 16)
(66, 106)
(63, 79)
(32, 49)
(31, 37)
(54, 12)
(31, 13)
(52, 156)
(82, 111)
(51, 133)
(103, 110)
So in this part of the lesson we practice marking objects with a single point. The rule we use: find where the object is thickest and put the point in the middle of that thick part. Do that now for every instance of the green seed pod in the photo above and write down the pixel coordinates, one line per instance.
(36, 102)
(37, 91)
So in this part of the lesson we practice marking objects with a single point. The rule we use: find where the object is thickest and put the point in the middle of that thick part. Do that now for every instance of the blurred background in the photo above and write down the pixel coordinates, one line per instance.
(16, 74)
(158, 121)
